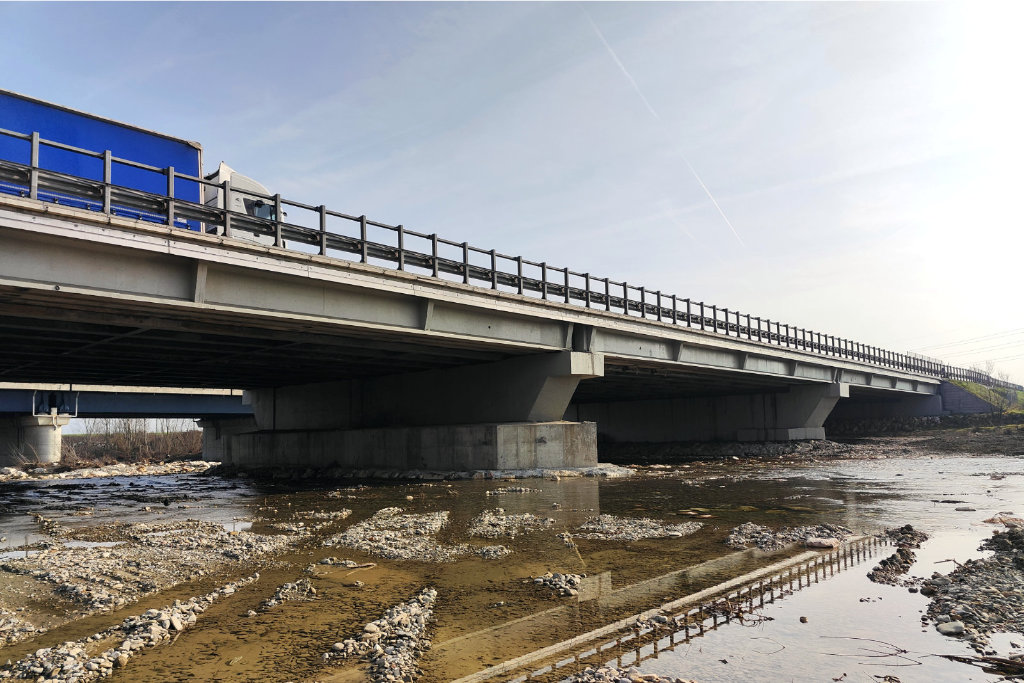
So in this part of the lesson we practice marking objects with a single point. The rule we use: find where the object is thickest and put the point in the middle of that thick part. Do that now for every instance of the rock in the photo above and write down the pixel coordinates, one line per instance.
(950, 628)
(822, 543)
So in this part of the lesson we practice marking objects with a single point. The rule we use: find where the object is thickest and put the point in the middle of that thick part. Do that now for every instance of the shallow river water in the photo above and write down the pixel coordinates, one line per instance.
(490, 610)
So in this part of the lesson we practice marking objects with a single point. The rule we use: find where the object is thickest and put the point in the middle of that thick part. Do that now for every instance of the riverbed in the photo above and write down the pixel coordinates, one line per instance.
(486, 546)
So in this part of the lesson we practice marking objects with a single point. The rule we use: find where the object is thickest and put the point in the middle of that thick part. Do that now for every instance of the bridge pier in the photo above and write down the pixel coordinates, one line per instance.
(797, 413)
(502, 415)
(217, 432)
(31, 439)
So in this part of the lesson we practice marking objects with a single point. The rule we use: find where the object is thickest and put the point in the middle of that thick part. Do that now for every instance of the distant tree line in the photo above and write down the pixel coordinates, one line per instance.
(109, 440)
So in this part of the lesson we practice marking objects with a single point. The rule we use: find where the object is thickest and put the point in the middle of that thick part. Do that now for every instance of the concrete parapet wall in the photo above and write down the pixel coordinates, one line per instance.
(447, 447)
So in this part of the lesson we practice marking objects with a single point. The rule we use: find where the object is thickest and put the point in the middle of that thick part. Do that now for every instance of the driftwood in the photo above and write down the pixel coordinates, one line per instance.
(1011, 668)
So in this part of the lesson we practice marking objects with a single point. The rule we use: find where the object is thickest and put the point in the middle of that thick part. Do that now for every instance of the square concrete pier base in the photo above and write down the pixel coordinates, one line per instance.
(504, 446)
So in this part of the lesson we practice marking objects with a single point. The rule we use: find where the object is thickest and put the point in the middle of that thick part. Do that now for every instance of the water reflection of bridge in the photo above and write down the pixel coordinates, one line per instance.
(689, 617)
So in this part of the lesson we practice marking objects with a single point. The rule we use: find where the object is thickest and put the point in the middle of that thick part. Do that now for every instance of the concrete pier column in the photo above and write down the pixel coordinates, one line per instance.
(216, 432)
(534, 388)
(503, 415)
(31, 439)
(798, 413)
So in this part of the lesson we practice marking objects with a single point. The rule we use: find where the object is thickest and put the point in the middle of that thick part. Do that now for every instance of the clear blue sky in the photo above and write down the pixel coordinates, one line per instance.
(866, 159)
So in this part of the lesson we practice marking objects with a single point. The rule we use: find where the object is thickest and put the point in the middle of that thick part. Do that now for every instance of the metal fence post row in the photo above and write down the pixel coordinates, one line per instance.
(170, 194)
(322, 212)
(278, 241)
(33, 174)
(226, 189)
(108, 179)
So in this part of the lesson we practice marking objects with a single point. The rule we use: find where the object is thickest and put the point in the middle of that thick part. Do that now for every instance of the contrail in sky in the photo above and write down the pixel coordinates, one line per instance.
(629, 77)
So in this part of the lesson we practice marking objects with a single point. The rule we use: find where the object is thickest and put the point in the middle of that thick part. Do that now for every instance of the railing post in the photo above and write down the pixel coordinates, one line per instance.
(658, 296)
(278, 241)
(494, 269)
(725, 312)
(107, 179)
(643, 303)
(566, 270)
(401, 246)
(33, 174)
(362, 239)
(226, 200)
(519, 272)
(322, 211)
(465, 263)
(170, 194)
(433, 252)
(689, 320)
(675, 311)
(714, 319)
(586, 281)
(543, 280)
(758, 327)
(701, 315)
(625, 297)
(607, 295)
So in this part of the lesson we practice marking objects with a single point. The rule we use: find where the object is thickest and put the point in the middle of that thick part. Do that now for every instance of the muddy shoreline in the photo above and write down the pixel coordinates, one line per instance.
(352, 553)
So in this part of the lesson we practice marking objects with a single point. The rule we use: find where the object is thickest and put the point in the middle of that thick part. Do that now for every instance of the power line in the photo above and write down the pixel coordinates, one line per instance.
(984, 349)
(986, 337)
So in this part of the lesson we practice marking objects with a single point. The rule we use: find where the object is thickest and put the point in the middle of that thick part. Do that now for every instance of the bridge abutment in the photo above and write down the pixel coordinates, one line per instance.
(31, 439)
(502, 415)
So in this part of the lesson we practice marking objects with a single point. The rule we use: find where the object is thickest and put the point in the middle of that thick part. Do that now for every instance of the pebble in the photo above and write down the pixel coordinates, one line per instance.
(495, 524)
(299, 590)
(511, 489)
(117, 470)
(563, 584)
(889, 570)
(71, 661)
(611, 674)
(152, 557)
(612, 528)
(393, 535)
(983, 596)
(392, 644)
(749, 534)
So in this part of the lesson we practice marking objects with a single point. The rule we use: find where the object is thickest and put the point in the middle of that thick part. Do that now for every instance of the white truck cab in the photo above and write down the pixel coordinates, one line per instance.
(244, 196)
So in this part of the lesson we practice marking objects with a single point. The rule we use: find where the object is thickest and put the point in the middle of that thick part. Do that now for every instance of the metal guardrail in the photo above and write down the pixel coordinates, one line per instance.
(470, 264)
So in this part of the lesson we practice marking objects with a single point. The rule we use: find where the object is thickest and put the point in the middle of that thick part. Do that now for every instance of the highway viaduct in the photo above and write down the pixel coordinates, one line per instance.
(404, 350)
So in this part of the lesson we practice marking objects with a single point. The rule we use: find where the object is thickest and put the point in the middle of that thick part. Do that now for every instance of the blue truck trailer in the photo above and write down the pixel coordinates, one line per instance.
(71, 143)
(69, 157)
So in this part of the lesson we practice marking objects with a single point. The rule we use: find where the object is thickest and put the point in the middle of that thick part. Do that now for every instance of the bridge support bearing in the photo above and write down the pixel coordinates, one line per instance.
(508, 446)
(31, 439)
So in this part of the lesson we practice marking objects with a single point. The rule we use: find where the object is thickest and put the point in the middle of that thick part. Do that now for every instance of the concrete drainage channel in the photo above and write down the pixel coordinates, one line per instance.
(642, 636)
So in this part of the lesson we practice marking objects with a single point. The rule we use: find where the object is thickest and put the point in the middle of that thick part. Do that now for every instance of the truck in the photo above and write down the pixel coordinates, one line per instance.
(147, 171)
